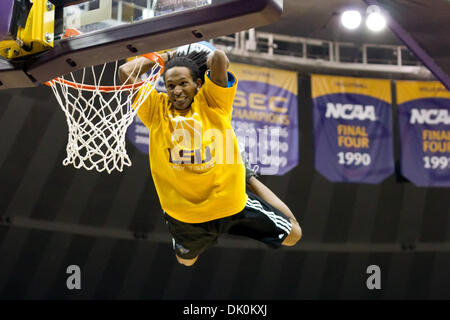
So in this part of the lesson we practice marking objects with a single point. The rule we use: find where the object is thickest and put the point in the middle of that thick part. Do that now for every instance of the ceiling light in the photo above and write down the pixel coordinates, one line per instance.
(351, 19)
(375, 20)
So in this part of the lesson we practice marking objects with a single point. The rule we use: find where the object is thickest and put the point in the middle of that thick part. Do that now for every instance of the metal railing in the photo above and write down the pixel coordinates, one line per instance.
(391, 59)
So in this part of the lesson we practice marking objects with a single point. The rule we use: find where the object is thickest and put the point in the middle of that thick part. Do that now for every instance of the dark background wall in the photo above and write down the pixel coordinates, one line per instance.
(52, 216)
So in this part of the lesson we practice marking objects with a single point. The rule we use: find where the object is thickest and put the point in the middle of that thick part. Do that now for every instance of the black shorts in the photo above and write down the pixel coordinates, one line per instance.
(259, 221)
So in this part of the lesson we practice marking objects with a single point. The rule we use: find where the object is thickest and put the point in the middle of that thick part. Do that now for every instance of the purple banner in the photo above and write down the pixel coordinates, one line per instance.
(424, 125)
(352, 131)
(265, 117)
(6, 11)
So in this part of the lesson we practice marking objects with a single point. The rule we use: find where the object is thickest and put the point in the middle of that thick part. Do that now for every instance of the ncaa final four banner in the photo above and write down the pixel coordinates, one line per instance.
(424, 124)
(265, 117)
(352, 129)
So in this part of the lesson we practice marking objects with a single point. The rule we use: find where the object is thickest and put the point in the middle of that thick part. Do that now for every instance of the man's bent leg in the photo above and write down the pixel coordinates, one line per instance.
(191, 239)
(186, 253)
(294, 236)
(186, 262)
(258, 188)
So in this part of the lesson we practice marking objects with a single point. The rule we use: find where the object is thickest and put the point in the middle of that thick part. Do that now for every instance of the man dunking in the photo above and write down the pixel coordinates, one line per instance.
(203, 195)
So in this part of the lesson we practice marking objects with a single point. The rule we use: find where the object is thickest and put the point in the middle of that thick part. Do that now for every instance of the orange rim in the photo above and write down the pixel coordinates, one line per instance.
(86, 87)
(155, 57)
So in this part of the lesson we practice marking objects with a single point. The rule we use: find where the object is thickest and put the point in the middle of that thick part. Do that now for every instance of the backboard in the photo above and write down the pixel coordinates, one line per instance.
(112, 30)
(97, 15)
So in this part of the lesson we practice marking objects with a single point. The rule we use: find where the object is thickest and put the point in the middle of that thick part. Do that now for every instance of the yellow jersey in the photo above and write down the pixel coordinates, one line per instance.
(194, 155)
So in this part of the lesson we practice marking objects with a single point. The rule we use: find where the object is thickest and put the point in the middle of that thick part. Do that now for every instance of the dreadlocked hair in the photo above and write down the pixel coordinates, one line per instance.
(194, 61)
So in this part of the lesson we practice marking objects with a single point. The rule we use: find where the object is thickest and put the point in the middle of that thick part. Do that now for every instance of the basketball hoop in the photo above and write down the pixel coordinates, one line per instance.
(98, 115)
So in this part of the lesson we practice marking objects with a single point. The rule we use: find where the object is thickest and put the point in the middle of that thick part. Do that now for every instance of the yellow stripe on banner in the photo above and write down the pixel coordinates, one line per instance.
(413, 90)
(323, 85)
(280, 78)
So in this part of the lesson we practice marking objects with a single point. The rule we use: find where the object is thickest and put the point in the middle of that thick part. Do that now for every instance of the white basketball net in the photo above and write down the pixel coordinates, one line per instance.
(98, 117)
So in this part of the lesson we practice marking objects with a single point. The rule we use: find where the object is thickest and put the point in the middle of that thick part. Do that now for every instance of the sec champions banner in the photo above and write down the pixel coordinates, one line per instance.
(352, 129)
(424, 124)
(265, 117)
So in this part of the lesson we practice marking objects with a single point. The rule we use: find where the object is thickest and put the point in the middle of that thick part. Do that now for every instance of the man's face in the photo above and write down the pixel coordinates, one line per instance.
(180, 86)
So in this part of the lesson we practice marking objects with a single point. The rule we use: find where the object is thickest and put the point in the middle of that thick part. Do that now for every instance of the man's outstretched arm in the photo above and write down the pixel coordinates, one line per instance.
(218, 65)
(131, 70)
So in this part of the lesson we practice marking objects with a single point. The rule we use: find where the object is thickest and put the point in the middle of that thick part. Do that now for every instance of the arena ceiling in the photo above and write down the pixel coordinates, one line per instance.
(426, 22)
(319, 19)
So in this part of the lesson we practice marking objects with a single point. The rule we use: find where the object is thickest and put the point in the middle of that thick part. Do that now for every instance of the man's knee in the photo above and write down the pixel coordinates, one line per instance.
(186, 262)
(294, 236)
